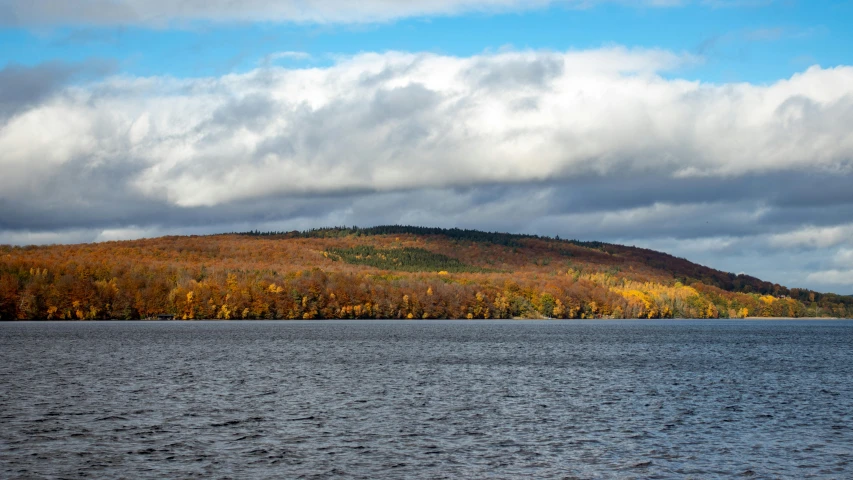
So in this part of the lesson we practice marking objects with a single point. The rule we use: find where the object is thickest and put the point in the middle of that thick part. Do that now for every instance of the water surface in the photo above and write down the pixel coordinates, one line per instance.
(375, 399)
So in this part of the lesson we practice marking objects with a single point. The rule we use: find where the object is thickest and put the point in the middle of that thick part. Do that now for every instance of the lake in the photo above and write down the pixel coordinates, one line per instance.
(427, 399)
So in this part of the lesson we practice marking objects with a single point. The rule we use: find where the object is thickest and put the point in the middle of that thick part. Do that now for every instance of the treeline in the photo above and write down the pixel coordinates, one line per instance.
(496, 238)
(396, 275)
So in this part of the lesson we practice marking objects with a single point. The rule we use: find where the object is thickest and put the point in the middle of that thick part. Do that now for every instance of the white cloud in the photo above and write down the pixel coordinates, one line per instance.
(382, 122)
(814, 237)
(832, 277)
(844, 258)
(164, 12)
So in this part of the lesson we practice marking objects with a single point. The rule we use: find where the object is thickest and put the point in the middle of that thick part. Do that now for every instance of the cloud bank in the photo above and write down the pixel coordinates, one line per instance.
(602, 144)
(164, 12)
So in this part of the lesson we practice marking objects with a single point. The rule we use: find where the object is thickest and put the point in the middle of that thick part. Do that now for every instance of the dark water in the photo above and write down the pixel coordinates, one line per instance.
(427, 399)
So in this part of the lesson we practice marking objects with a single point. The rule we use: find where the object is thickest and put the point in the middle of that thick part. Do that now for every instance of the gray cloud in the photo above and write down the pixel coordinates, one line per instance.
(24, 86)
(535, 72)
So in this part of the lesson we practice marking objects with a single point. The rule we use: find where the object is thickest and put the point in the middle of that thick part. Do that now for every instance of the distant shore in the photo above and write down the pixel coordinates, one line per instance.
(788, 318)
(431, 319)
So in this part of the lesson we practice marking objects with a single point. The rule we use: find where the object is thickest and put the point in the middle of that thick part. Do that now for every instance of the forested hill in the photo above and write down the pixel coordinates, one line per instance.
(381, 272)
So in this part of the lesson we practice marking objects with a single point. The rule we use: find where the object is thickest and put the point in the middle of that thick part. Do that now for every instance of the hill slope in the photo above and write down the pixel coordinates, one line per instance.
(381, 272)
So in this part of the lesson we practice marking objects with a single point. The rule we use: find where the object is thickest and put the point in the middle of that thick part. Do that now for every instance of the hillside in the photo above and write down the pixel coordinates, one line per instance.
(381, 272)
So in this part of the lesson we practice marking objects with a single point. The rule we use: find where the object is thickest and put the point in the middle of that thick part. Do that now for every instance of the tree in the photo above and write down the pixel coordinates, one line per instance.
(8, 296)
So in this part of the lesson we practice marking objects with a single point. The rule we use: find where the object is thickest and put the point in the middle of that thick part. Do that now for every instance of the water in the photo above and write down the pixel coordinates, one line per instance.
(461, 399)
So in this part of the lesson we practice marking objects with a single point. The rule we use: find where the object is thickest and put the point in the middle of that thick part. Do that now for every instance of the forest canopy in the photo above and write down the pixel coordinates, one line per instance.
(399, 272)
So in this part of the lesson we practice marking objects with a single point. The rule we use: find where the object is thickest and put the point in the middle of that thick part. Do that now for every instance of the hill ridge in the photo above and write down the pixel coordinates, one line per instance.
(391, 271)
(505, 238)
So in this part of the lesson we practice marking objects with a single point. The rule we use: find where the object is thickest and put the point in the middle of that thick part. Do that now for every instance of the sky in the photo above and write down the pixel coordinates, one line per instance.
(714, 130)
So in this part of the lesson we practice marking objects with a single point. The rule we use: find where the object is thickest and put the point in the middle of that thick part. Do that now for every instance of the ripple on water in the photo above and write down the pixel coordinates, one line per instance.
(426, 399)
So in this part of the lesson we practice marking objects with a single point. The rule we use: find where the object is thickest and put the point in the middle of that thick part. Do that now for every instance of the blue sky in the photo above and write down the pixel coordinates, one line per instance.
(748, 43)
(716, 130)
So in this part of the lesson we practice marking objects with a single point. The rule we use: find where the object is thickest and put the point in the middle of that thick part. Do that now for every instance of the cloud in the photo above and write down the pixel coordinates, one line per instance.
(289, 55)
(841, 274)
(815, 237)
(23, 86)
(735, 44)
(164, 12)
(369, 122)
(272, 58)
(844, 258)
(832, 277)
(594, 144)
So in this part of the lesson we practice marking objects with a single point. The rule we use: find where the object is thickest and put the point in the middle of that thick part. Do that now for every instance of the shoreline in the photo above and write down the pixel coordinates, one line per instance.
(789, 318)
(639, 320)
